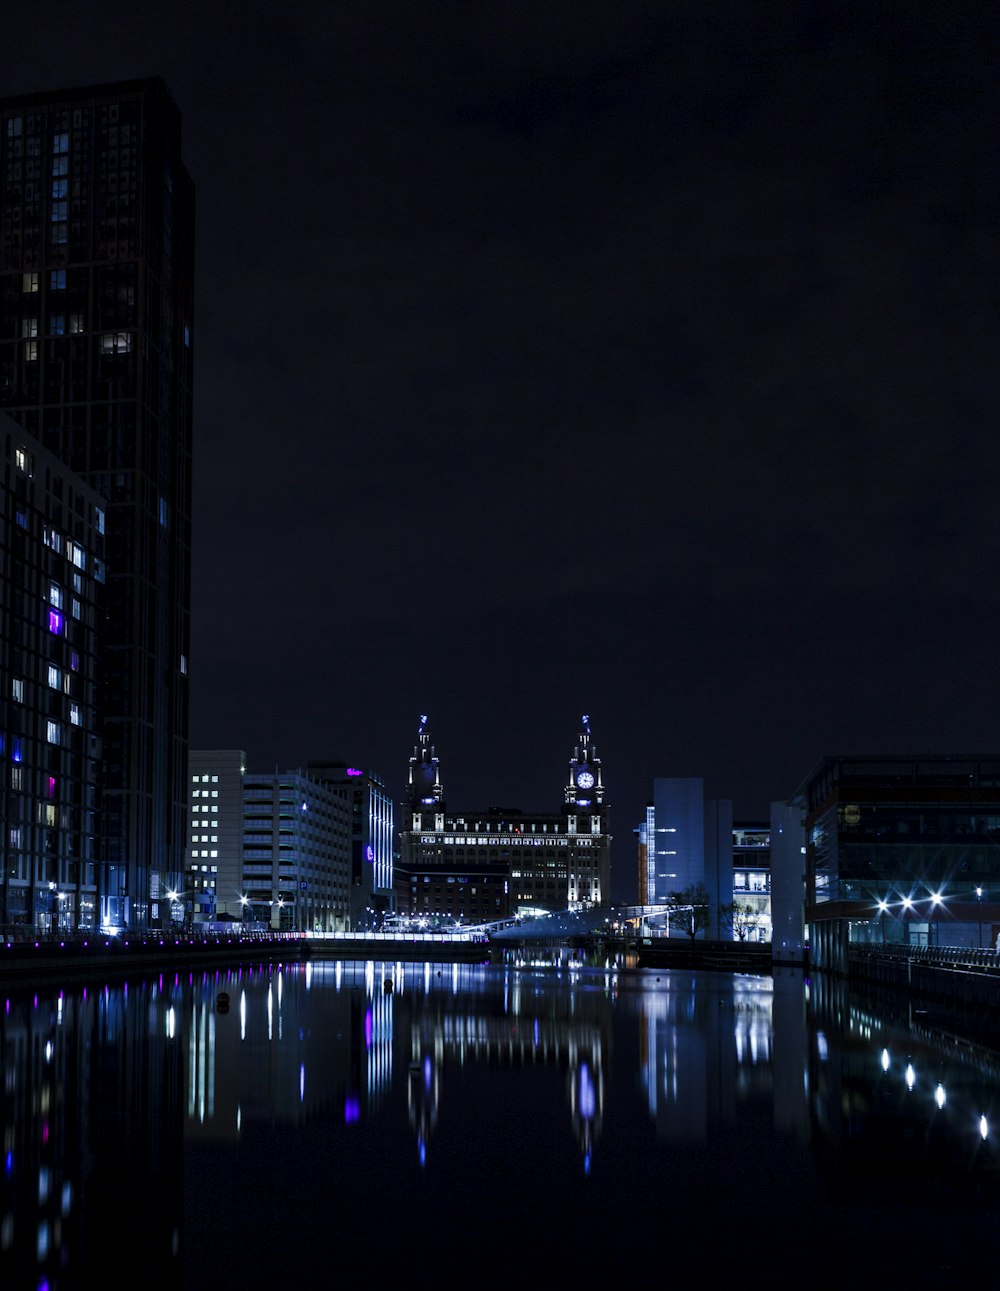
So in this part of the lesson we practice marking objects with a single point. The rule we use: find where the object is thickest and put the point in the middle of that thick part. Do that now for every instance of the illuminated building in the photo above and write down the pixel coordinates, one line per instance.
(214, 867)
(901, 849)
(688, 841)
(96, 362)
(296, 853)
(371, 838)
(482, 866)
(52, 577)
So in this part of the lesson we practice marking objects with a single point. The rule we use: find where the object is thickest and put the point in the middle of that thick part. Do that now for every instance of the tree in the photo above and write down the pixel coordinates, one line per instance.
(690, 911)
(741, 917)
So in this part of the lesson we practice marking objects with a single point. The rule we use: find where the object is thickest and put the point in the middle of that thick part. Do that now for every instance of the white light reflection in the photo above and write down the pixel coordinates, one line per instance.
(243, 1015)
(984, 1129)
(171, 1022)
(910, 1076)
(270, 1012)
(302, 1082)
(885, 1059)
(939, 1096)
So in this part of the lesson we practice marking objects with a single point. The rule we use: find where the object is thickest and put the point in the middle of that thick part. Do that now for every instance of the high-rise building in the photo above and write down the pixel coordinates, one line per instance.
(96, 363)
(51, 618)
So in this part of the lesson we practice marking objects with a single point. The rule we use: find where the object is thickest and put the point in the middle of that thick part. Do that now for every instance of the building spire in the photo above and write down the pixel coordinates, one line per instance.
(424, 790)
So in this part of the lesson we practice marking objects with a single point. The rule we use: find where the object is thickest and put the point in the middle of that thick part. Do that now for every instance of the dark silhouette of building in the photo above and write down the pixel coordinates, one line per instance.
(96, 363)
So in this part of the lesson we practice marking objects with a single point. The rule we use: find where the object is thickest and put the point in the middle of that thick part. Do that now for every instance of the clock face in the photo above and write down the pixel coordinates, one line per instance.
(584, 779)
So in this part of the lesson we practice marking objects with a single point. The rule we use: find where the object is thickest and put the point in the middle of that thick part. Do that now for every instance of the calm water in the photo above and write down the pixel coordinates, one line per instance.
(537, 1123)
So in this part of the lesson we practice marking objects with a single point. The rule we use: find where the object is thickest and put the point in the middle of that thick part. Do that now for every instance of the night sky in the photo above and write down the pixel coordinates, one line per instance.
(630, 359)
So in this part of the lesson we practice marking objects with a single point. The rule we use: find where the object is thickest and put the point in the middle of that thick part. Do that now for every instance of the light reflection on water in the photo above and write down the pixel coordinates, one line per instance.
(408, 1117)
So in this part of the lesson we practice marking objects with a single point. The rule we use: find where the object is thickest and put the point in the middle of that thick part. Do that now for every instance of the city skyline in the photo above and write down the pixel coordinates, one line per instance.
(639, 362)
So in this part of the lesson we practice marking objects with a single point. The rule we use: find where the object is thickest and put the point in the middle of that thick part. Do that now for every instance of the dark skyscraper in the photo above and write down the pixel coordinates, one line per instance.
(96, 362)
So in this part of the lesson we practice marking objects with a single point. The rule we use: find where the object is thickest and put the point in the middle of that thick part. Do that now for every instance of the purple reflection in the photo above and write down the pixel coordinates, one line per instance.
(368, 1029)
(587, 1099)
(352, 1112)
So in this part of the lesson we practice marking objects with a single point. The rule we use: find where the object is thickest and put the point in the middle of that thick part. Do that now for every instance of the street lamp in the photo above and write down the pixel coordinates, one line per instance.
(176, 898)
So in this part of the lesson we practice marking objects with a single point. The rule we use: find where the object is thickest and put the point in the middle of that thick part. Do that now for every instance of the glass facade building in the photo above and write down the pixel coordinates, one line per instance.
(96, 363)
(903, 849)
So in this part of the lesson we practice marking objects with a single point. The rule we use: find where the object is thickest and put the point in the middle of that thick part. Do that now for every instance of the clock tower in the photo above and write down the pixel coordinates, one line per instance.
(585, 788)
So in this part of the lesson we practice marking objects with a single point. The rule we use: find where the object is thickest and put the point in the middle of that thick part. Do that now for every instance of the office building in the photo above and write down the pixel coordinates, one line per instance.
(372, 839)
(483, 866)
(52, 617)
(297, 837)
(687, 841)
(213, 887)
(902, 849)
(96, 363)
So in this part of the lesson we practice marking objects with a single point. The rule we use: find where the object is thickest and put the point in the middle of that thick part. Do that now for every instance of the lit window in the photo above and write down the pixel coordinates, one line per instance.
(74, 714)
(60, 143)
(31, 351)
(21, 459)
(116, 342)
(57, 325)
(55, 677)
(55, 595)
(75, 608)
(29, 326)
(29, 282)
(57, 278)
(52, 732)
(55, 622)
(98, 519)
(17, 689)
(75, 324)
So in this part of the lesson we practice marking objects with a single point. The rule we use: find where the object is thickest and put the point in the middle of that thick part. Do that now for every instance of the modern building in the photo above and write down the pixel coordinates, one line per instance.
(483, 866)
(96, 363)
(750, 903)
(688, 842)
(213, 884)
(52, 620)
(297, 836)
(900, 849)
(372, 841)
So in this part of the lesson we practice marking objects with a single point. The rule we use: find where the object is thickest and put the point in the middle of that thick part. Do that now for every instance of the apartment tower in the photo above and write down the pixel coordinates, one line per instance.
(96, 363)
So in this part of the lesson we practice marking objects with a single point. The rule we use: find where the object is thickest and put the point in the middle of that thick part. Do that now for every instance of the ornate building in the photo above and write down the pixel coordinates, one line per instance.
(482, 866)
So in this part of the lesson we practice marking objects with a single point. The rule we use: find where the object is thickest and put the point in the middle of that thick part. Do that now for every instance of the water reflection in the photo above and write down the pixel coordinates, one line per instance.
(287, 1117)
